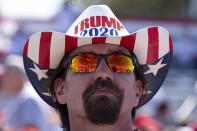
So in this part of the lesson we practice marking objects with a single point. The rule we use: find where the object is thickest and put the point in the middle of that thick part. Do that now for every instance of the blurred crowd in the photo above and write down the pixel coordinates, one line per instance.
(156, 116)
(21, 109)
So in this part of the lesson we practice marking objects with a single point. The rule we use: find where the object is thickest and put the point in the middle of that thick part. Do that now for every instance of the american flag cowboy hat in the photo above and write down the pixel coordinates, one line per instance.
(97, 24)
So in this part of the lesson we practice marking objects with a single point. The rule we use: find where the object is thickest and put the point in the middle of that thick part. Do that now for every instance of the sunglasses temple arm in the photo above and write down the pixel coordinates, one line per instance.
(67, 62)
(134, 61)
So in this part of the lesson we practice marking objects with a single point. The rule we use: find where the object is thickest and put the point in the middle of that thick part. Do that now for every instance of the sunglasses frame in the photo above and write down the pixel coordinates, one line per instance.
(100, 56)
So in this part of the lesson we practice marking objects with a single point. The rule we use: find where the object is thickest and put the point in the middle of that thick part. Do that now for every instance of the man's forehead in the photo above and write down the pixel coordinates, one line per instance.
(101, 49)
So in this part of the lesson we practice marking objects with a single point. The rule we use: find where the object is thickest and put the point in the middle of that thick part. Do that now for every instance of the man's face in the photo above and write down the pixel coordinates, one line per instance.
(101, 96)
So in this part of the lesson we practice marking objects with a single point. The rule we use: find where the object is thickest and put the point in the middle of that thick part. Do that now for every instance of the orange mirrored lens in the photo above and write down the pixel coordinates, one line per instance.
(120, 63)
(84, 63)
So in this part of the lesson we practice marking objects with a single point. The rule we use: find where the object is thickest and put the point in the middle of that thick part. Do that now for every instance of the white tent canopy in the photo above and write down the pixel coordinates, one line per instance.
(29, 9)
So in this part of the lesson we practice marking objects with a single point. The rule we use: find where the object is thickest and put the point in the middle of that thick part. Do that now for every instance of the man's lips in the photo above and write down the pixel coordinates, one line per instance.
(103, 91)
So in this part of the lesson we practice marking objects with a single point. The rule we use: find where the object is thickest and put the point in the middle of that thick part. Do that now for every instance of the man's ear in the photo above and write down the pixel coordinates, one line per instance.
(138, 91)
(60, 91)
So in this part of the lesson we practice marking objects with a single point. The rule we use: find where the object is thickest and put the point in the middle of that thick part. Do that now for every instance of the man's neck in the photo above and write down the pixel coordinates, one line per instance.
(124, 123)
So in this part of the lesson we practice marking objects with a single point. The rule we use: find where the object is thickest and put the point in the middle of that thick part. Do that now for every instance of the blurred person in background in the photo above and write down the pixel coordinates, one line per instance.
(162, 114)
(185, 52)
(194, 126)
(19, 110)
(147, 123)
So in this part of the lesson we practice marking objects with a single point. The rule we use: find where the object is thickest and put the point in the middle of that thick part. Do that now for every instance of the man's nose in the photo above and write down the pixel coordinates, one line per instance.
(103, 71)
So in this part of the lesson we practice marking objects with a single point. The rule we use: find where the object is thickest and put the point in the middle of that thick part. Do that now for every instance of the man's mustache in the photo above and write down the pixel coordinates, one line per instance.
(99, 84)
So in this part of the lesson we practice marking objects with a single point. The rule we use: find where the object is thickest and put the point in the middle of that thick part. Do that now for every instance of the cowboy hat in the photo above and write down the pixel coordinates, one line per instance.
(152, 46)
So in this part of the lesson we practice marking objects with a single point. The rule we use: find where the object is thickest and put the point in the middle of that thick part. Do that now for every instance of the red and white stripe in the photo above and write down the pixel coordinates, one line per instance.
(57, 49)
(141, 46)
(48, 48)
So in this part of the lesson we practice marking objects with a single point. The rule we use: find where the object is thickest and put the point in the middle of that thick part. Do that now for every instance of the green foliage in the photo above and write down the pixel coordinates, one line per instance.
(153, 8)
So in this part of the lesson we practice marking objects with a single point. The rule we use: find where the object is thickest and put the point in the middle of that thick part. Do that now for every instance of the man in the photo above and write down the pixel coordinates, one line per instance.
(97, 74)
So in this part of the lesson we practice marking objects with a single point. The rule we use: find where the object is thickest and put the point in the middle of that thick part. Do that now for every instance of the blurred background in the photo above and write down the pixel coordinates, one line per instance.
(174, 108)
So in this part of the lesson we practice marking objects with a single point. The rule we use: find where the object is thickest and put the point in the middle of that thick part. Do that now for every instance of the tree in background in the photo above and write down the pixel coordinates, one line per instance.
(143, 8)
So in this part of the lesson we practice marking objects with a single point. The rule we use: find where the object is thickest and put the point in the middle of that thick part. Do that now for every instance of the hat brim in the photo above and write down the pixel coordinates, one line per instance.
(152, 46)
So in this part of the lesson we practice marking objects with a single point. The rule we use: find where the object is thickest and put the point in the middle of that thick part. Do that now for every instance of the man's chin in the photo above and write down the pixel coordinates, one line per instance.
(102, 101)
(102, 109)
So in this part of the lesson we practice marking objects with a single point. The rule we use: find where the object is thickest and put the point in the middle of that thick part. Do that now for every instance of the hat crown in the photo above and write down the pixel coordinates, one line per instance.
(97, 21)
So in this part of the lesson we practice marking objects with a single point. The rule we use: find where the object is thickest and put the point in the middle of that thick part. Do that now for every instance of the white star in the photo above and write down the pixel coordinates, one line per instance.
(40, 73)
(147, 92)
(46, 94)
(154, 68)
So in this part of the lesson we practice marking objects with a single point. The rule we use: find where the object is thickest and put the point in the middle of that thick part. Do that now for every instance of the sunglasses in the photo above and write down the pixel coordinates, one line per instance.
(88, 62)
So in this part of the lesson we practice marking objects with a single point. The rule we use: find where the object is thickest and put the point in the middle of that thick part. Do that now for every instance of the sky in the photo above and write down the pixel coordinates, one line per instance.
(30, 9)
